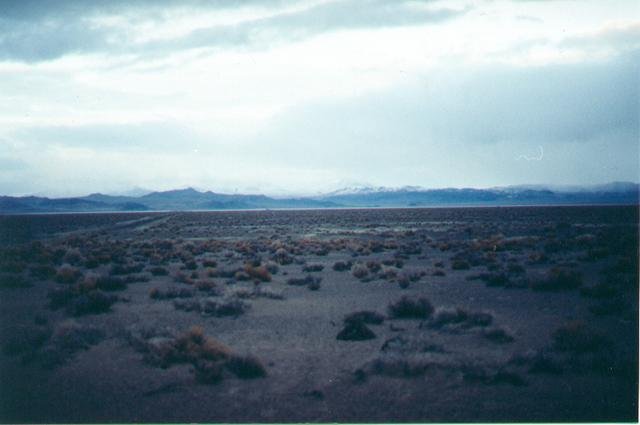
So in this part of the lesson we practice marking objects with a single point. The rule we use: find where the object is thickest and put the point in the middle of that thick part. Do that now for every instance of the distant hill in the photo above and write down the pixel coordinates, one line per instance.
(614, 193)
(191, 199)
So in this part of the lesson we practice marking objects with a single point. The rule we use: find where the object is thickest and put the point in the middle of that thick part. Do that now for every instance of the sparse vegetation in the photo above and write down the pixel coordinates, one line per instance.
(407, 308)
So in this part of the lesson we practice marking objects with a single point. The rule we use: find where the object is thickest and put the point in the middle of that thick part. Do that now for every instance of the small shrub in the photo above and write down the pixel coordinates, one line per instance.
(186, 304)
(355, 331)
(190, 265)
(246, 367)
(312, 267)
(159, 271)
(403, 282)
(314, 286)
(241, 275)
(122, 269)
(341, 266)
(183, 278)
(307, 280)
(389, 273)
(406, 308)
(208, 372)
(260, 273)
(282, 257)
(373, 266)
(272, 267)
(460, 265)
(111, 283)
(208, 286)
(498, 335)
(359, 271)
(94, 302)
(365, 316)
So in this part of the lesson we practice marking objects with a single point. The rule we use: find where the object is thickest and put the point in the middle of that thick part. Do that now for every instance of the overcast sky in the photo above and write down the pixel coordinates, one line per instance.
(301, 97)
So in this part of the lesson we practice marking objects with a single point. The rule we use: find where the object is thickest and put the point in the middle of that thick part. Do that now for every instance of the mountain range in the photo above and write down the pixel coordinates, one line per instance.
(409, 196)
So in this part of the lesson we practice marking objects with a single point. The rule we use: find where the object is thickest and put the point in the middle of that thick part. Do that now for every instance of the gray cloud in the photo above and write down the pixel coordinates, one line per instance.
(34, 31)
(583, 114)
(149, 137)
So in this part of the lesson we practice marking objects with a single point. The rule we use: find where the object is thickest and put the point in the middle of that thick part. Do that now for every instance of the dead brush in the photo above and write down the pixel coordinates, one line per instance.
(260, 273)
(209, 357)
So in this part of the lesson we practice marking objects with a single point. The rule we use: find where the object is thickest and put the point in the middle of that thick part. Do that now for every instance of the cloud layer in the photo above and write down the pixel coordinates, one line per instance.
(305, 96)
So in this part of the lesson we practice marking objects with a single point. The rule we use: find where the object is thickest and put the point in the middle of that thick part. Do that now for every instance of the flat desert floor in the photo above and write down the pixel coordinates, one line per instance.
(377, 315)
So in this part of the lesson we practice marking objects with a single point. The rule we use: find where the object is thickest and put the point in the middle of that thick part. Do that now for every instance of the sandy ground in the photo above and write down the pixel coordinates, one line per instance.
(533, 316)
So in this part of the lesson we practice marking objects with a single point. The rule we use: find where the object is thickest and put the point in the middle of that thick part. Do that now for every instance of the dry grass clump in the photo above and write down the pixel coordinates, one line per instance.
(228, 306)
(67, 274)
(458, 318)
(407, 308)
(188, 347)
(209, 357)
(257, 291)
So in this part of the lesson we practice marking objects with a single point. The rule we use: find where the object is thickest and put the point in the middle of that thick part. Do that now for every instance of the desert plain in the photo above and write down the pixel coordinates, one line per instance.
(377, 315)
